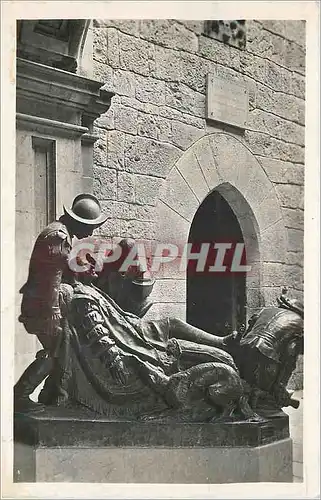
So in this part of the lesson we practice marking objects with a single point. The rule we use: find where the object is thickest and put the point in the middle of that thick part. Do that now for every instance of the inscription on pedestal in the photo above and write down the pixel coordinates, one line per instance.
(227, 102)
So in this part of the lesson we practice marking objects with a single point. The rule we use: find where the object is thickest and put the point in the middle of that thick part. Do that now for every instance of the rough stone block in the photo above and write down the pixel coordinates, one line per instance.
(131, 211)
(100, 151)
(168, 64)
(124, 210)
(172, 227)
(274, 47)
(253, 277)
(115, 141)
(140, 106)
(136, 54)
(253, 66)
(188, 203)
(295, 240)
(273, 274)
(102, 72)
(155, 127)
(295, 258)
(268, 212)
(130, 26)
(290, 196)
(269, 295)
(150, 90)
(253, 298)
(195, 79)
(282, 104)
(289, 29)
(145, 156)
(111, 227)
(185, 99)
(278, 78)
(169, 33)
(298, 85)
(137, 229)
(175, 114)
(124, 83)
(294, 30)
(100, 45)
(183, 135)
(294, 57)
(196, 26)
(125, 187)
(190, 169)
(274, 243)
(282, 172)
(145, 213)
(106, 120)
(277, 127)
(205, 157)
(147, 189)
(112, 48)
(287, 151)
(264, 145)
(25, 234)
(125, 119)
(171, 65)
(293, 218)
(260, 41)
(105, 183)
(295, 276)
(228, 156)
(219, 52)
(109, 208)
(147, 125)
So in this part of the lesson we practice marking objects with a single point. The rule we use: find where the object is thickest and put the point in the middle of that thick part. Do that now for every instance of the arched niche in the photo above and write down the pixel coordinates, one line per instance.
(219, 161)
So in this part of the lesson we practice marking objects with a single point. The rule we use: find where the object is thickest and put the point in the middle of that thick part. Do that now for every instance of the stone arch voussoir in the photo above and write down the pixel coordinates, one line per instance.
(220, 161)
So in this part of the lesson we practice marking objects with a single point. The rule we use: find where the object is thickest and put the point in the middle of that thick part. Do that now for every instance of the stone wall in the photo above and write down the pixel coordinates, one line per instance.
(157, 69)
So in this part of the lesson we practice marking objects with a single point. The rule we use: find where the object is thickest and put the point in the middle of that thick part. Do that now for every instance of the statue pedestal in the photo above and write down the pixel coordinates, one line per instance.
(60, 445)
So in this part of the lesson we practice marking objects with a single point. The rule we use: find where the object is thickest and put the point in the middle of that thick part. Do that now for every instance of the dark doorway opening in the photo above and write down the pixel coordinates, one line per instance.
(216, 301)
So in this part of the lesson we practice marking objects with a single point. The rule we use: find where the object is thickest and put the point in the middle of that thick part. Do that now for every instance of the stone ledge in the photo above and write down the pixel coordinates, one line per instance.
(56, 427)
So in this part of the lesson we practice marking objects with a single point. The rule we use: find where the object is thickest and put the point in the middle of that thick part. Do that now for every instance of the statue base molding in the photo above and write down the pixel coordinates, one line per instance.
(73, 445)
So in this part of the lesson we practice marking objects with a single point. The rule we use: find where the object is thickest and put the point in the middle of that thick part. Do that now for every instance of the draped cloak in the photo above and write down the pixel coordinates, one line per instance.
(94, 322)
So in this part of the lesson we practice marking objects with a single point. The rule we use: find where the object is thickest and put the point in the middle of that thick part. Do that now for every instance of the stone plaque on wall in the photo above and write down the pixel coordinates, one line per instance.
(226, 101)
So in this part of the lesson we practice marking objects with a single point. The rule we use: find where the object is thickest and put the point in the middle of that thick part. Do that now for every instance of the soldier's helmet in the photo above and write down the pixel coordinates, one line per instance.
(86, 210)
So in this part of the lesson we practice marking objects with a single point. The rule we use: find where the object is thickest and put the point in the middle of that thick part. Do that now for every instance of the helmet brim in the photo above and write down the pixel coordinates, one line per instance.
(99, 221)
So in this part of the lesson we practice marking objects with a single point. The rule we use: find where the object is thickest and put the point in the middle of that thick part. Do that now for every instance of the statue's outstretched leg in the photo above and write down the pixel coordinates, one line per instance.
(31, 378)
(181, 330)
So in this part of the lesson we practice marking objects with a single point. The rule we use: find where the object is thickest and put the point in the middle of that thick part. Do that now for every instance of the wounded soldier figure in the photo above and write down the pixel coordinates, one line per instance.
(116, 363)
(119, 364)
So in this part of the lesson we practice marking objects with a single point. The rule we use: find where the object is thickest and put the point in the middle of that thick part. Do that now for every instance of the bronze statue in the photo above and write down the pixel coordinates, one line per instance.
(43, 292)
(100, 352)
(267, 352)
(117, 354)
(131, 288)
